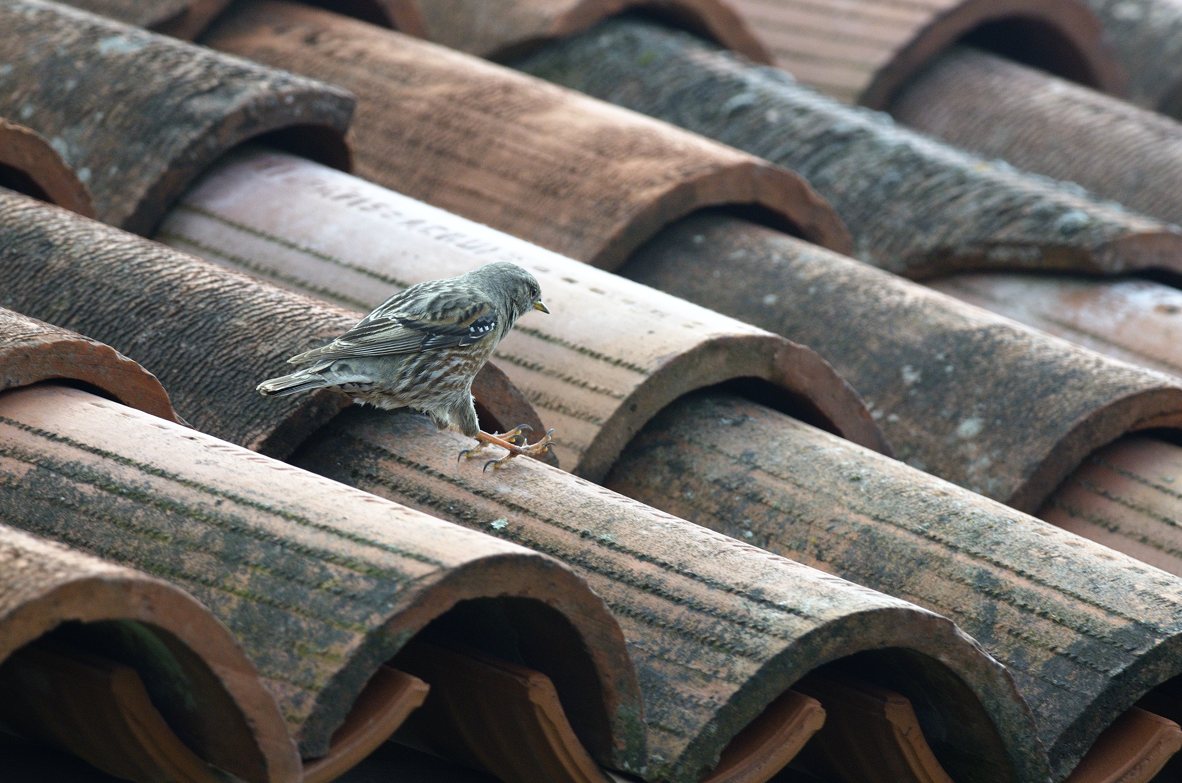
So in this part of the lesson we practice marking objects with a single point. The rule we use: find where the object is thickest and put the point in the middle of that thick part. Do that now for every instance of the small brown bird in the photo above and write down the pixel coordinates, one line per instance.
(422, 348)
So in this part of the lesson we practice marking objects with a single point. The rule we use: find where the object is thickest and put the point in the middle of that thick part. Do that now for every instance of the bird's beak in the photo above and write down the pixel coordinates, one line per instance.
(539, 305)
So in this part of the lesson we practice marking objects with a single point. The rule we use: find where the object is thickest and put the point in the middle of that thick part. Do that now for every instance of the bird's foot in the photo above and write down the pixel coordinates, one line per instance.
(514, 441)
(518, 436)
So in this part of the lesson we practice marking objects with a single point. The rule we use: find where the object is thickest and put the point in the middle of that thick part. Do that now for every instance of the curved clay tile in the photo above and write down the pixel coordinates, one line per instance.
(502, 149)
(151, 14)
(841, 619)
(137, 115)
(65, 259)
(1146, 37)
(770, 742)
(61, 612)
(997, 108)
(230, 217)
(962, 394)
(1123, 496)
(1133, 749)
(388, 699)
(497, 28)
(1085, 631)
(610, 356)
(496, 715)
(32, 351)
(320, 583)
(718, 629)
(871, 734)
(29, 163)
(867, 49)
(1136, 321)
(915, 206)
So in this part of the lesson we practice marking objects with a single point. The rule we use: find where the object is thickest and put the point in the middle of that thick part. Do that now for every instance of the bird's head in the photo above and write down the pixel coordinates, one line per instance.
(516, 289)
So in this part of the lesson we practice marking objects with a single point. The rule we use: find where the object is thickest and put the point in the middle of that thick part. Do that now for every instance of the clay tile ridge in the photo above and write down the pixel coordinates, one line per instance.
(94, 84)
(490, 28)
(320, 583)
(869, 50)
(254, 330)
(606, 179)
(231, 720)
(930, 209)
(610, 357)
(32, 352)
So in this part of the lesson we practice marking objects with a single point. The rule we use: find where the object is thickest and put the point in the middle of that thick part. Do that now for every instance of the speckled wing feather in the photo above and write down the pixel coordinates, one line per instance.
(422, 318)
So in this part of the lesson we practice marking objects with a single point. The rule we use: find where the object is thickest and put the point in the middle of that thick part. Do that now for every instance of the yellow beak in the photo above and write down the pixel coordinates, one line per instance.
(539, 305)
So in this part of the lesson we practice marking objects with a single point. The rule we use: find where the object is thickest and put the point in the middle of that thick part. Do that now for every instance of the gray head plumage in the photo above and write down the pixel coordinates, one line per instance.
(510, 286)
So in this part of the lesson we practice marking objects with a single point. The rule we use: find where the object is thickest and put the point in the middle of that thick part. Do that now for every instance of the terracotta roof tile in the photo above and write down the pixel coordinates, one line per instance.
(147, 287)
(717, 630)
(503, 149)
(1064, 614)
(690, 744)
(1001, 109)
(135, 142)
(861, 51)
(59, 607)
(30, 164)
(589, 376)
(33, 351)
(1146, 37)
(914, 206)
(963, 394)
(1129, 319)
(311, 576)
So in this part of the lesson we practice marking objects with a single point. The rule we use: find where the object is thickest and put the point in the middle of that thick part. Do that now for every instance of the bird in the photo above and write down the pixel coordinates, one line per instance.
(421, 349)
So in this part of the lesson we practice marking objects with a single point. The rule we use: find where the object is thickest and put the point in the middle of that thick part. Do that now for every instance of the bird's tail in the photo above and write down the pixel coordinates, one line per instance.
(294, 383)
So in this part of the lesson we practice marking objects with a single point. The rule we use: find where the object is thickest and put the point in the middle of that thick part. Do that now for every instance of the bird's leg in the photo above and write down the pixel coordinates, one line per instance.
(514, 441)
(515, 437)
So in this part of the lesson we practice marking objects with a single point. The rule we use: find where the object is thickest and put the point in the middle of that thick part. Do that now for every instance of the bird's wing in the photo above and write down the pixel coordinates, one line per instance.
(434, 318)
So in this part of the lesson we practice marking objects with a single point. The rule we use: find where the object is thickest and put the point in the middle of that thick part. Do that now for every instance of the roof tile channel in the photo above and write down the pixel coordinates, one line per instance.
(998, 108)
(304, 246)
(667, 218)
(597, 391)
(215, 36)
(1146, 36)
(915, 206)
(708, 722)
(865, 51)
(116, 636)
(135, 144)
(576, 149)
(325, 565)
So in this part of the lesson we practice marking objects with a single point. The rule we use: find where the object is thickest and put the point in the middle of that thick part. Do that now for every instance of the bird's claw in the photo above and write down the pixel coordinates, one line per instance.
(515, 442)
(540, 446)
(518, 436)
(472, 452)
